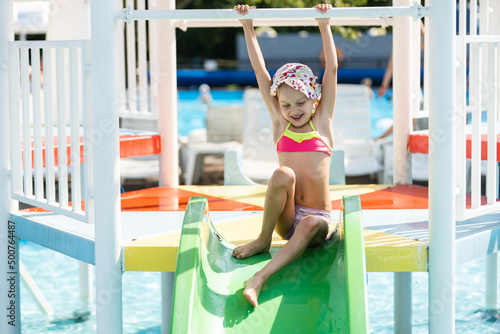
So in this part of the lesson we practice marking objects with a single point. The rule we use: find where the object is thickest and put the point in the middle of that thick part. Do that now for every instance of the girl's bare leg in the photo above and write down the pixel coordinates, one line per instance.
(279, 213)
(310, 231)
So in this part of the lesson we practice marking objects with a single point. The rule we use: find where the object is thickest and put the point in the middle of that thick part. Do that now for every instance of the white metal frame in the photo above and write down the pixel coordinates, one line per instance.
(65, 76)
(7, 204)
(442, 167)
(137, 86)
(484, 92)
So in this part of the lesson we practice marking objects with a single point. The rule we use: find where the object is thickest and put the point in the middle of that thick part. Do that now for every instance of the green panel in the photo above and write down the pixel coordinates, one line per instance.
(309, 296)
(355, 265)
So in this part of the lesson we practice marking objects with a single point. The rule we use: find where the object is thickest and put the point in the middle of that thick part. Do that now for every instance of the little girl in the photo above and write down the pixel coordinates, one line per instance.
(297, 203)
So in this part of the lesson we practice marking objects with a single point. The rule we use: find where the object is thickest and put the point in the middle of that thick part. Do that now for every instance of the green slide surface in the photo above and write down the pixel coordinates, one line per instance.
(324, 291)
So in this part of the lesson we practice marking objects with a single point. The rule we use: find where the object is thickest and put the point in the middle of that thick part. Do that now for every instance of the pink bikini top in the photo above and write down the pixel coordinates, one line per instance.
(302, 142)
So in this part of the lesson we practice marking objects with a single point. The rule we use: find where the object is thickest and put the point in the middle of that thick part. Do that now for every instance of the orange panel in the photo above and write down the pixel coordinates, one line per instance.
(133, 146)
(130, 146)
(397, 197)
(174, 199)
(419, 143)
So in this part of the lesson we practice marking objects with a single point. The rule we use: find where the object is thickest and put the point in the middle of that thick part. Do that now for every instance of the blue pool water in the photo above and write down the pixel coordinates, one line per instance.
(192, 110)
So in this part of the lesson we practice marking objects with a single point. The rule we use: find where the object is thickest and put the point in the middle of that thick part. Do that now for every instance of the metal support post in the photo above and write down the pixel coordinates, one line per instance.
(402, 303)
(9, 283)
(166, 79)
(442, 167)
(107, 168)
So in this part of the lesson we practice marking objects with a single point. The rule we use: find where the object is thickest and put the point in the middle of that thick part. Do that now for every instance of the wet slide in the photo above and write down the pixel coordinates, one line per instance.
(324, 291)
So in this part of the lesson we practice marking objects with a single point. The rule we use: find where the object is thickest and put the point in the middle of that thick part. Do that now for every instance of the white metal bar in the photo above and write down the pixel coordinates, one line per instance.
(402, 302)
(7, 205)
(484, 7)
(491, 293)
(404, 80)
(88, 127)
(167, 101)
(107, 167)
(131, 66)
(65, 211)
(290, 13)
(482, 39)
(475, 98)
(86, 284)
(426, 61)
(483, 30)
(86, 270)
(37, 122)
(482, 210)
(462, 18)
(47, 44)
(75, 104)
(167, 296)
(473, 17)
(416, 61)
(26, 135)
(201, 23)
(35, 292)
(491, 175)
(166, 56)
(442, 258)
(61, 127)
(122, 90)
(49, 125)
(153, 67)
(142, 61)
(460, 149)
(402, 83)
(15, 121)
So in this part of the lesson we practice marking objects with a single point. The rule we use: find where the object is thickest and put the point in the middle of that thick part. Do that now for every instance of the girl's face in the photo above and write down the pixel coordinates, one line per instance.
(295, 107)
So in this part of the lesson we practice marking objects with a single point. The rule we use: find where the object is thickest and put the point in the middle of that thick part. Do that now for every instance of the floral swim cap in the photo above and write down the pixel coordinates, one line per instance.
(299, 77)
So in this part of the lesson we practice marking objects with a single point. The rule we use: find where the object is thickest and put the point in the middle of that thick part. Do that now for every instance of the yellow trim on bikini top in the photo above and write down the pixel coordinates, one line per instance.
(300, 137)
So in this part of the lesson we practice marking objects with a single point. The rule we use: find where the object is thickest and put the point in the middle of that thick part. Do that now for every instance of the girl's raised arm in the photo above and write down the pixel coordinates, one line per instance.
(329, 89)
(258, 64)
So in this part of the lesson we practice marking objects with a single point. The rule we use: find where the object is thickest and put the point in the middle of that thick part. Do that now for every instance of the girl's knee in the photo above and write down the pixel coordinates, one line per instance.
(312, 227)
(283, 176)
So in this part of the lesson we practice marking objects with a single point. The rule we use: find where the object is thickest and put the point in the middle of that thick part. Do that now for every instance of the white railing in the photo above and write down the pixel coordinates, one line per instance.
(50, 126)
(137, 86)
(477, 52)
(130, 14)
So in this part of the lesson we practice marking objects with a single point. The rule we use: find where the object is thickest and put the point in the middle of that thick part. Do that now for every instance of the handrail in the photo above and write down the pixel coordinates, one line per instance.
(203, 23)
(128, 14)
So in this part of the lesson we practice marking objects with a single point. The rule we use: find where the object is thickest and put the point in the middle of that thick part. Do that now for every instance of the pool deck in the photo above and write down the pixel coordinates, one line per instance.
(395, 222)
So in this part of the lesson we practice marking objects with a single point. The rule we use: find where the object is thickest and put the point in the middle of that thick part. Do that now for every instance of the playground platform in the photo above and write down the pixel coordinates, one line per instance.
(395, 226)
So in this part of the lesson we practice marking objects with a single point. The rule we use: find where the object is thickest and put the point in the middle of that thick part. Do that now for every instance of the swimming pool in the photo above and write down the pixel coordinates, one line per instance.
(192, 111)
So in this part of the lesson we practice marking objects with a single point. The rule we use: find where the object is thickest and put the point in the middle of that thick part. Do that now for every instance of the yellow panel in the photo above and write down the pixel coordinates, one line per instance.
(396, 259)
(337, 191)
(255, 194)
(384, 252)
(150, 258)
(247, 194)
(158, 253)
(391, 253)
(242, 231)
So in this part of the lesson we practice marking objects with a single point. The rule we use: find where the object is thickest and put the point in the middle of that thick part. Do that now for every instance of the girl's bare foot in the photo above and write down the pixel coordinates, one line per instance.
(252, 289)
(255, 247)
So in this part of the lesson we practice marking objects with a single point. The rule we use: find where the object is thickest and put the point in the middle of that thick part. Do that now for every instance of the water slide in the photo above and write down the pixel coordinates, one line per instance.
(324, 291)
